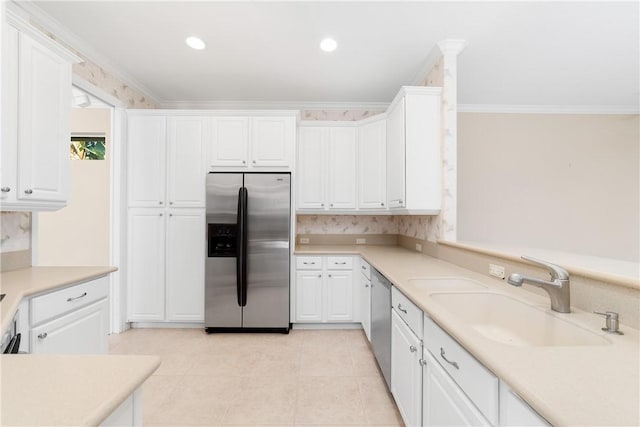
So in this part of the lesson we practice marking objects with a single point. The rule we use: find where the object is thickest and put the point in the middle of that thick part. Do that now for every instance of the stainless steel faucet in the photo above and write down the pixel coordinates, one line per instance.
(557, 287)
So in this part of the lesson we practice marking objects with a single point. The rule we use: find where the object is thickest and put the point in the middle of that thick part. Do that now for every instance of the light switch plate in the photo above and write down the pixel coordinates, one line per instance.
(496, 271)
(304, 240)
(361, 241)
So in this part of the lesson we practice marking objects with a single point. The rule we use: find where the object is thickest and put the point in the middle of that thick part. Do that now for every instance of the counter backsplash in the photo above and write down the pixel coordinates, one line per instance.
(410, 226)
(15, 240)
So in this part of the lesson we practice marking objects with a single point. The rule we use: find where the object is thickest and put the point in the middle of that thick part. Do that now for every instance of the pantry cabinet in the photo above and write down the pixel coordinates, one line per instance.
(166, 265)
(413, 151)
(166, 161)
(36, 99)
(244, 143)
(324, 289)
(326, 168)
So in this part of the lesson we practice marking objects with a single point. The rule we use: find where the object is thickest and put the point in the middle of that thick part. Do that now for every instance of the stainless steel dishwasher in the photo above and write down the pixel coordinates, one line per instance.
(381, 323)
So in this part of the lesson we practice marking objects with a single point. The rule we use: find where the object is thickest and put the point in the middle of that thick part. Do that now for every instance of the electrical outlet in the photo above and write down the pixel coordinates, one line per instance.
(361, 241)
(419, 247)
(304, 240)
(496, 271)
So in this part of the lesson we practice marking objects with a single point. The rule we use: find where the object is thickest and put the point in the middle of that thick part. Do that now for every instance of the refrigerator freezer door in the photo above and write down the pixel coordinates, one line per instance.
(221, 292)
(269, 207)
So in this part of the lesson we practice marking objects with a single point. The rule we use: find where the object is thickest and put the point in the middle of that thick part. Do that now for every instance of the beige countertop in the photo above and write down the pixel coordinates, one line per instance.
(568, 385)
(18, 284)
(68, 390)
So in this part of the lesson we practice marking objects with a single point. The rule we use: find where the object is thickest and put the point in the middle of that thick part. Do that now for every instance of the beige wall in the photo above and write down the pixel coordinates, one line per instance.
(562, 182)
(79, 233)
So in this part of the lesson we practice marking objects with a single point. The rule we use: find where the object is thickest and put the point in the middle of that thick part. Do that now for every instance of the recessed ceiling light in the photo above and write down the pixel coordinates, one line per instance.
(328, 44)
(195, 43)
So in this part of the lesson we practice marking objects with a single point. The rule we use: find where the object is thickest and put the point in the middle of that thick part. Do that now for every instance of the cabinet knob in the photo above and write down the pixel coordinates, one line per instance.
(366, 285)
(254, 162)
(319, 275)
(159, 203)
(43, 335)
(322, 204)
(381, 204)
(244, 162)
(170, 214)
(28, 191)
(413, 348)
(329, 275)
(331, 205)
(5, 189)
(171, 203)
(161, 214)
(422, 362)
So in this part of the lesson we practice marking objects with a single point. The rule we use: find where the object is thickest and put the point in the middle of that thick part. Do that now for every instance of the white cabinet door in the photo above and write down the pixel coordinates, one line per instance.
(406, 371)
(9, 146)
(83, 331)
(146, 260)
(44, 88)
(396, 156)
(271, 141)
(516, 412)
(229, 141)
(342, 167)
(365, 307)
(186, 161)
(146, 158)
(339, 296)
(311, 168)
(186, 238)
(444, 403)
(372, 166)
(309, 296)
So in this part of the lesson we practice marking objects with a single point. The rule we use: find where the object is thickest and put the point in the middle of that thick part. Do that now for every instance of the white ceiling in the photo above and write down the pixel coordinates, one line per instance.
(581, 54)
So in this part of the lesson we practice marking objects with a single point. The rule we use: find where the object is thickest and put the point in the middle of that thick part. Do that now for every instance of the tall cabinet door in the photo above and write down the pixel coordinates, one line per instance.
(145, 269)
(342, 168)
(44, 87)
(186, 240)
(187, 161)
(146, 158)
(309, 296)
(372, 166)
(229, 141)
(339, 296)
(396, 156)
(311, 168)
(9, 146)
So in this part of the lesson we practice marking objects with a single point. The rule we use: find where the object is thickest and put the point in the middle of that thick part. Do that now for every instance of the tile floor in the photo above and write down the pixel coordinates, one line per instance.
(309, 377)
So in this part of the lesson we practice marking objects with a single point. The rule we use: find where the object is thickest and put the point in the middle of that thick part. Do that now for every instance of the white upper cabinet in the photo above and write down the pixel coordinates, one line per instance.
(413, 150)
(229, 142)
(310, 169)
(342, 167)
(166, 160)
(186, 161)
(146, 160)
(372, 166)
(36, 102)
(326, 169)
(241, 143)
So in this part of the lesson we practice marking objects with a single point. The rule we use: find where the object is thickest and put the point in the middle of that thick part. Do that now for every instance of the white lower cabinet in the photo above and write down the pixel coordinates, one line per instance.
(365, 298)
(516, 412)
(73, 320)
(406, 371)
(324, 289)
(128, 414)
(166, 254)
(444, 403)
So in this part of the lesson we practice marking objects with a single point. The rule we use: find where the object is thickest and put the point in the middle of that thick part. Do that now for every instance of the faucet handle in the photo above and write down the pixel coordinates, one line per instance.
(556, 271)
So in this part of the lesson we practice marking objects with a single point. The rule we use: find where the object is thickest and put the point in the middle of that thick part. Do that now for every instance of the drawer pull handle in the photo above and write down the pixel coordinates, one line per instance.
(402, 309)
(43, 335)
(422, 362)
(413, 348)
(28, 191)
(78, 297)
(366, 285)
(5, 189)
(340, 263)
(363, 267)
(454, 364)
(308, 263)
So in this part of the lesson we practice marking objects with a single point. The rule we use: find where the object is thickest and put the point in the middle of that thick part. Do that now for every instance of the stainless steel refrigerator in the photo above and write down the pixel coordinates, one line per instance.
(248, 241)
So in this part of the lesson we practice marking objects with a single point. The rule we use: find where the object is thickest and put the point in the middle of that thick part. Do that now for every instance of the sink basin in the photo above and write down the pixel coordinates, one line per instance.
(509, 321)
(444, 284)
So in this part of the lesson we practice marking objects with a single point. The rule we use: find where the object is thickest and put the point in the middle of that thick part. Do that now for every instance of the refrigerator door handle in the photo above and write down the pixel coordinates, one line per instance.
(240, 248)
(244, 236)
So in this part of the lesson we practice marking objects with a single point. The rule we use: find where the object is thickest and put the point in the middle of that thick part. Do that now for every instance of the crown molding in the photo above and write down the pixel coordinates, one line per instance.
(71, 39)
(548, 109)
(452, 46)
(270, 105)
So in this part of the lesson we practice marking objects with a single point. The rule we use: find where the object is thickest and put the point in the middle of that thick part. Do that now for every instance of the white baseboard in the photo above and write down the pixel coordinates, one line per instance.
(166, 325)
(326, 326)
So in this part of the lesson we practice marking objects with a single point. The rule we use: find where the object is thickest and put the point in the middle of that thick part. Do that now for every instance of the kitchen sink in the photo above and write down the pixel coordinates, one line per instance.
(440, 284)
(509, 321)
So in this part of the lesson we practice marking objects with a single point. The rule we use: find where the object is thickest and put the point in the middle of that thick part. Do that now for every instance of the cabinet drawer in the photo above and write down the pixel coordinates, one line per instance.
(56, 303)
(308, 263)
(471, 376)
(365, 268)
(339, 263)
(407, 311)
